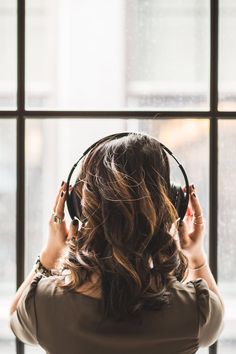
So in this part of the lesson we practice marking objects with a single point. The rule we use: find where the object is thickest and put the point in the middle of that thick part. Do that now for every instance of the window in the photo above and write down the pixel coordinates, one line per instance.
(74, 71)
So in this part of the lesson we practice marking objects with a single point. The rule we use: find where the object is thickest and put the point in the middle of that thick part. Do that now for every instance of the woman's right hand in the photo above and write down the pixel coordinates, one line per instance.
(191, 232)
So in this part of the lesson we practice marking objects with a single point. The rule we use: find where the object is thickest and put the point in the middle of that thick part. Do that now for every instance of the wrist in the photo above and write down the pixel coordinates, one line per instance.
(49, 259)
(197, 260)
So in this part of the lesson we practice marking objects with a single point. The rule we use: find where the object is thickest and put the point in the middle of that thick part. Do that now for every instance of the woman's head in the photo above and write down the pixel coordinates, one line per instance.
(123, 186)
(128, 176)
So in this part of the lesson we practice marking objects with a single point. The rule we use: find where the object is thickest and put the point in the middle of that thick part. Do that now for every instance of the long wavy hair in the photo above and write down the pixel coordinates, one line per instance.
(125, 237)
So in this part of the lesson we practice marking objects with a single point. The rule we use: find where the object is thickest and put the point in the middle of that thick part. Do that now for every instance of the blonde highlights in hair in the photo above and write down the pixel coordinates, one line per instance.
(125, 235)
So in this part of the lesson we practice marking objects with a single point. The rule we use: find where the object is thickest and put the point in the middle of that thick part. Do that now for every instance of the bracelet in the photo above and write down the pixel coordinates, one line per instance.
(198, 268)
(39, 268)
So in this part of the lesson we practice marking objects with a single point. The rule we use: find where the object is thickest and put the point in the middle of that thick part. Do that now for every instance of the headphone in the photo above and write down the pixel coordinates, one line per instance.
(178, 197)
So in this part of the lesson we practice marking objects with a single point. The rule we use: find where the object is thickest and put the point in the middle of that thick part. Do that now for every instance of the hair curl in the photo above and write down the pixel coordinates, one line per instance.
(125, 235)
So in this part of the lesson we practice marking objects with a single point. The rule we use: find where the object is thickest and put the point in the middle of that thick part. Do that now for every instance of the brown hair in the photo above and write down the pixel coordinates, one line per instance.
(125, 234)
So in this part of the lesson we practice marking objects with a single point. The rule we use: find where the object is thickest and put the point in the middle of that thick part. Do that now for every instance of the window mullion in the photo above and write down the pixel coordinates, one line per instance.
(20, 153)
(213, 197)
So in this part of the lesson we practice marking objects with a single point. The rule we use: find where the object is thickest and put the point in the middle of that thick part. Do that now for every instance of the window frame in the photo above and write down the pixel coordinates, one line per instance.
(20, 114)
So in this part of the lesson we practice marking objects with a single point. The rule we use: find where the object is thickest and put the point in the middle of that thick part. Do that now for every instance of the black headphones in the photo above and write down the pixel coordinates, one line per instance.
(178, 197)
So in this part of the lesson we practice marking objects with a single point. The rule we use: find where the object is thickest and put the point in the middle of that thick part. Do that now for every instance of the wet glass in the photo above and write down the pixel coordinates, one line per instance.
(116, 54)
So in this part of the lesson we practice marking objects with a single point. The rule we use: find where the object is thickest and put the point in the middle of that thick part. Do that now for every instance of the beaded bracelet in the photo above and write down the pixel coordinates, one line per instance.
(39, 268)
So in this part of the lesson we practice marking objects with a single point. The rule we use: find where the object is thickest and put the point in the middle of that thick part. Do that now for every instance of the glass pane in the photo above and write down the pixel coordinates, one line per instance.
(226, 234)
(117, 54)
(8, 57)
(53, 146)
(227, 56)
(8, 230)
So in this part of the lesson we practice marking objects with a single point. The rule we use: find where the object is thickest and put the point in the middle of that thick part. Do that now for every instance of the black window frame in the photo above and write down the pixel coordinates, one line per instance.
(20, 114)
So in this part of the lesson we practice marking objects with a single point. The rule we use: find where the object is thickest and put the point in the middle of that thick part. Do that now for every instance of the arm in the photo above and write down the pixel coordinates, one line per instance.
(192, 244)
(49, 261)
(198, 271)
(56, 243)
(20, 291)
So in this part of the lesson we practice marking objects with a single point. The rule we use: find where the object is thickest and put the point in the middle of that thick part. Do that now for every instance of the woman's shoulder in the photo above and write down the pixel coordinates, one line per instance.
(45, 288)
(207, 305)
(198, 287)
(196, 290)
(196, 293)
(52, 287)
(51, 280)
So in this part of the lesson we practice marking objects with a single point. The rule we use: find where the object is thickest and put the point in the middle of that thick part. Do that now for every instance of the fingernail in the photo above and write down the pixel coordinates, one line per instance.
(62, 183)
(181, 223)
(62, 194)
(193, 194)
(193, 187)
(75, 222)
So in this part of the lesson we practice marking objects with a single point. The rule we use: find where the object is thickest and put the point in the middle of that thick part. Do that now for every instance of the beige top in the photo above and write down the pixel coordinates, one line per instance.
(70, 323)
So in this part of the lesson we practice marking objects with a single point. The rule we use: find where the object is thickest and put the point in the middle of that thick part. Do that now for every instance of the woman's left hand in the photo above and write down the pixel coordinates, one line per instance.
(58, 233)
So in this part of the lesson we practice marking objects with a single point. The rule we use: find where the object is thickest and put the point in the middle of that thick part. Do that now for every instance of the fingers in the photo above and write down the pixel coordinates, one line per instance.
(189, 211)
(189, 214)
(198, 220)
(196, 207)
(188, 218)
(191, 229)
(60, 205)
(73, 230)
(183, 233)
(59, 195)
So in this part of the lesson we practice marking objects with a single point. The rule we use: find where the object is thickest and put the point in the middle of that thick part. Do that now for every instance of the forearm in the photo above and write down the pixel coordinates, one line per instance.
(203, 272)
(49, 261)
(20, 291)
(55, 246)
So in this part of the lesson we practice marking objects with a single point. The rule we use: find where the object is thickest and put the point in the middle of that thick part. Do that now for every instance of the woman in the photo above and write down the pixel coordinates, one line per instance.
(132, 279)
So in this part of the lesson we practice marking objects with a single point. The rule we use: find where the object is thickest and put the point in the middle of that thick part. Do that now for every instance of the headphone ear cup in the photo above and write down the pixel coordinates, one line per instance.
(178, 199)
(74, 205)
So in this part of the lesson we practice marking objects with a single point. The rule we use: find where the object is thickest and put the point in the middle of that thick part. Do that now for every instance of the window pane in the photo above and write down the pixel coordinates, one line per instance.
(227, 56)
(226, 234)
(8, 54)
(8, 230)
(117, 54)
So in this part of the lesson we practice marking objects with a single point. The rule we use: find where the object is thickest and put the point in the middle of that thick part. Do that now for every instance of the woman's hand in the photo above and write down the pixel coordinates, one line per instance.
(58, 234)
(191, 232)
